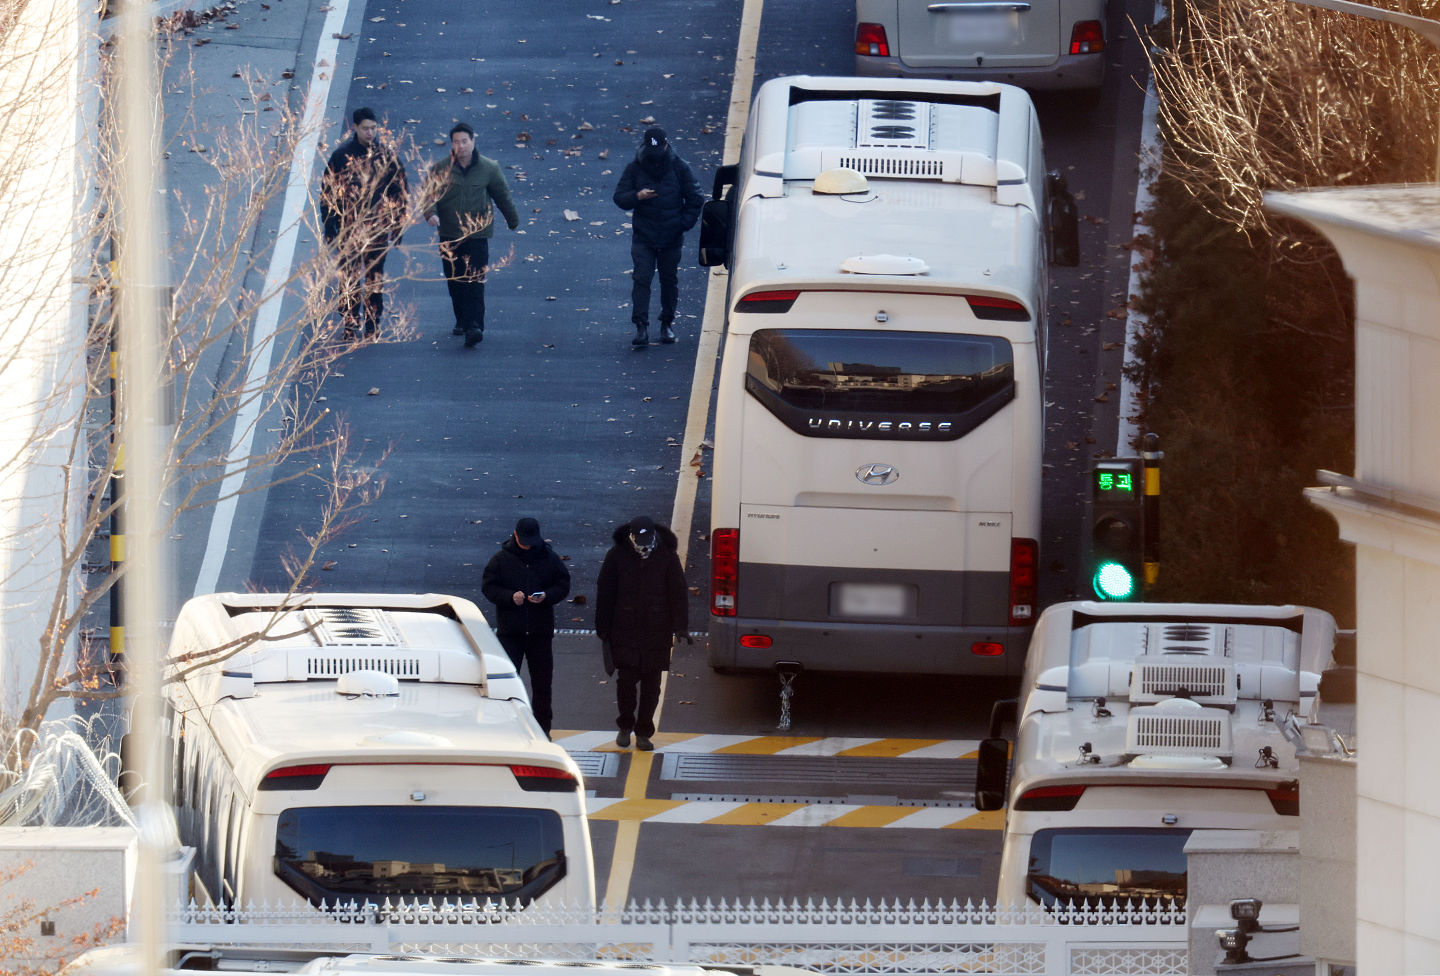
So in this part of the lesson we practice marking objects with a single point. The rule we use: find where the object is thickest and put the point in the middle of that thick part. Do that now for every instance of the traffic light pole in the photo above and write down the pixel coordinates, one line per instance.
(1152, 456)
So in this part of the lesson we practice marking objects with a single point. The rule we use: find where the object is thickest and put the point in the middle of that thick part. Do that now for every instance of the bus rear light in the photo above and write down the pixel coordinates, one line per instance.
(544, 779)
(1023, 581)
(1050, 797)
(303, 777)
(757, 641)
(724, 571)
(870, 40)
(1087, 37)
(997, 309)
(987, 649)
(773, 302)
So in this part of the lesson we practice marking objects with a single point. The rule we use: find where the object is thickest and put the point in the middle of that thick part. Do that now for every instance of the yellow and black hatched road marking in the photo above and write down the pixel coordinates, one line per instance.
(635, 807)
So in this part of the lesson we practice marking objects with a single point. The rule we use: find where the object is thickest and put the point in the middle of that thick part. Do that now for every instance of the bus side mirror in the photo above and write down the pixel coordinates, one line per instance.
(1063, 222)
(715, 233)
(716, 218)
(991, 772)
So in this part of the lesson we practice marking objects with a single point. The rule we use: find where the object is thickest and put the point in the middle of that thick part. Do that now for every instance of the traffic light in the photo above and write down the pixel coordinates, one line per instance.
(1117, 533)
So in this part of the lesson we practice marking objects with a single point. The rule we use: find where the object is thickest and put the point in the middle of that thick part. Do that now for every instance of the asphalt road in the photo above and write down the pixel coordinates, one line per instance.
(554, 416)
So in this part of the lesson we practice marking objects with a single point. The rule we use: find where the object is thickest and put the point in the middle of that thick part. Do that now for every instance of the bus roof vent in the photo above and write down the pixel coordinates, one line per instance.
(351, 627)
(1180, 727)
(1208, 680)
(887, 123)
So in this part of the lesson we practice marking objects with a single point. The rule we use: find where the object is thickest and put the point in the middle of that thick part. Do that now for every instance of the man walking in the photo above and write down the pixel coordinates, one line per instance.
(362, 207)
(525, 580)
(462, 186)
(659, 187)
(640, 607)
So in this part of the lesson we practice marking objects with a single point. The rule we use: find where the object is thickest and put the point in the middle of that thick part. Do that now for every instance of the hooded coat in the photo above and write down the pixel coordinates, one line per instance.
(662, 220)
(641, 603)
(529, 571)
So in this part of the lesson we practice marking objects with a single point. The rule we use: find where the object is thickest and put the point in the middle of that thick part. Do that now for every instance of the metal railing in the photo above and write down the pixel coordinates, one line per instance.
(828, 938)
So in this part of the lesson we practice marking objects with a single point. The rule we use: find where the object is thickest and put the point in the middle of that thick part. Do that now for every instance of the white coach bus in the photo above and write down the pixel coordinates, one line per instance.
(366, 747)
(1140, 723)
(880, 416)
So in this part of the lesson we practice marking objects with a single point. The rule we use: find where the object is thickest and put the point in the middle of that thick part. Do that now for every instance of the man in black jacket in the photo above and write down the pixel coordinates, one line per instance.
(641, 606)
(659, 187)
(362, 207)
(525, 580)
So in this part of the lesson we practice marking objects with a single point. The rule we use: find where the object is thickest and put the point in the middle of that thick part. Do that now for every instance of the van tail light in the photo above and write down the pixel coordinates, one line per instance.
(758, 642)
(544, 779)
(1050, 797)
(1024, 553)
(724, 571)
(1087, 37)
(870, 40)
(1286, 801)
(306, 777)
(987, 648)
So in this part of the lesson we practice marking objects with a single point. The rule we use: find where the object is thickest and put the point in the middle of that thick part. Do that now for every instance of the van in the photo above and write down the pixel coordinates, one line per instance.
(1139, 723)
(879, 418)
(364, 748)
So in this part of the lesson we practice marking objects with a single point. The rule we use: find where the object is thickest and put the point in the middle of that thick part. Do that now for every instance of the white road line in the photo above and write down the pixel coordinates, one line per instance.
(816, 815)
(267, 317)
(695, 812)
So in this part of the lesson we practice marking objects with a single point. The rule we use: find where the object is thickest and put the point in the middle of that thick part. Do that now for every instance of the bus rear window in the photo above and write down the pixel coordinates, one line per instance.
(458, 853)
(880, 385)
(1096, 866)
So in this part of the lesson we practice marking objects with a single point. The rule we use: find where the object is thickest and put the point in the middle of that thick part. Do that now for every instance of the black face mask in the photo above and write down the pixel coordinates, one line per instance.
(643, 549)
(652, 157)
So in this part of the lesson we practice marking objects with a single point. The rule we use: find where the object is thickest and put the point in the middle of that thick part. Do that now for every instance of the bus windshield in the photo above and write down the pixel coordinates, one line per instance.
(377, 852)
(880, 385)
(1102, 866)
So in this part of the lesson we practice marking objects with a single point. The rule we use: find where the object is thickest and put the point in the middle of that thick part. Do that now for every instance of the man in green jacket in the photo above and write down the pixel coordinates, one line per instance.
(462, 186)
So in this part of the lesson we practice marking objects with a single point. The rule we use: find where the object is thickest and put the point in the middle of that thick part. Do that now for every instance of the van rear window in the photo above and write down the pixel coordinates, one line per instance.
(1100, 866)
(880, 385)
(459, 853)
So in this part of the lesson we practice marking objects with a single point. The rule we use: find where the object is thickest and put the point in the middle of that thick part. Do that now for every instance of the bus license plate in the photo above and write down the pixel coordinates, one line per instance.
(872, 600)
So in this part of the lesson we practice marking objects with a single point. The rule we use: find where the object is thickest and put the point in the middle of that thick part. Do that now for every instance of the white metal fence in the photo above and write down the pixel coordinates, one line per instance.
(838, 938)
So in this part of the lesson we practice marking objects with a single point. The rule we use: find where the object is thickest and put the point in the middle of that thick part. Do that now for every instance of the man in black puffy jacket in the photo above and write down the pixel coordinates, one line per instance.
(525, 580)
(640, 607)
(659, 187)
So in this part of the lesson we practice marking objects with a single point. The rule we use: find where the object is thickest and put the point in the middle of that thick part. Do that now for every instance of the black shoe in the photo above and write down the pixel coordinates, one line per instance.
(458, 330)
(642, 336)
(623, 739)
(667, 334)
(474, 336)
(644, 744)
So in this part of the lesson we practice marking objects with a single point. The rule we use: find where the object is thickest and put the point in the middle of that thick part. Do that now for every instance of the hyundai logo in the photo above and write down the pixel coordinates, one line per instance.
(876, 474)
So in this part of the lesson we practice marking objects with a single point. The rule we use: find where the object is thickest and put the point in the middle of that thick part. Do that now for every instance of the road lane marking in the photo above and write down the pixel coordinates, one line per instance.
(262, 339)
(778, 745)
(630, 813)
(707, 349)
(627, 836)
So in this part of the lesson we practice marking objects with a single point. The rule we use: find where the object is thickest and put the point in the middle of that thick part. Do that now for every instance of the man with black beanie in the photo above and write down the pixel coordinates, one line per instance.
(659, 187)
(525, 580)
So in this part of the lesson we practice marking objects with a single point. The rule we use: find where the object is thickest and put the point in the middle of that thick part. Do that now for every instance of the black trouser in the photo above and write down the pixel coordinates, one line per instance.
(632, 718)
(464, 262)
(537, 649)
(647, 259)
(362, 288)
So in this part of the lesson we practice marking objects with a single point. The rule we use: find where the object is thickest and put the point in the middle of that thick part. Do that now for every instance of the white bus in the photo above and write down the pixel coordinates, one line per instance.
(366, 748)
(1139, 723)
(880, 416)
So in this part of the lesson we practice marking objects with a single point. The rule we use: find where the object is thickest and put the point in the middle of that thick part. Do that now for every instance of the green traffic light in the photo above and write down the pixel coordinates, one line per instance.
(1113, 581)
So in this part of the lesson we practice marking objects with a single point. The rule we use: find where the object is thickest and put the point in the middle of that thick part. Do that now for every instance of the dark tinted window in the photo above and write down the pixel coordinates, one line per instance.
(457, 852)
(1102, 866)
(880, 385)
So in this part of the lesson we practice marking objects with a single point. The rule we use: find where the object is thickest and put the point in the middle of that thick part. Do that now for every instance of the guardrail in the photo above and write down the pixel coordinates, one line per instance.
(827, 938)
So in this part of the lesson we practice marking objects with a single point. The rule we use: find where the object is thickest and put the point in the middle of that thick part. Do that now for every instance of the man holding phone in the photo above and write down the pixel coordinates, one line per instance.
(659, 187)
(525, 580)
